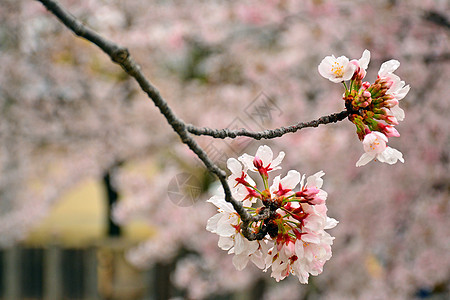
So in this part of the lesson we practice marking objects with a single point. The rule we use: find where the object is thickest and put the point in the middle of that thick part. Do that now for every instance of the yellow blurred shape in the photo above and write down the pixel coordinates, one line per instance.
(138, 231)
(79, 219)
(373, 266)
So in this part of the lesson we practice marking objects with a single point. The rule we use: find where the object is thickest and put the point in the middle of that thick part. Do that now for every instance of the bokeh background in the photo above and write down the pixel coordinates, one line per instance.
(99, 199)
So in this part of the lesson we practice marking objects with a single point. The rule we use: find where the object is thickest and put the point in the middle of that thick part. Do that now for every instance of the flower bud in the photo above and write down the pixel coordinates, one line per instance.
(381, 111)
(360, 127)
(386, 83)
(390, 131)
(366, 85)
(390, 103)
(391, 120)
(375, 89)
(310, 196)
(364, 104)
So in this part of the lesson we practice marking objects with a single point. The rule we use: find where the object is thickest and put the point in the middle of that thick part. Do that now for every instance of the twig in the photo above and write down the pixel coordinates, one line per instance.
(266, 134)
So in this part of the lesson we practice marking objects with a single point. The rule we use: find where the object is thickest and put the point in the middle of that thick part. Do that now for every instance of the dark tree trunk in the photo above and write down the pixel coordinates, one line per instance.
(162, 284)
(112, 196)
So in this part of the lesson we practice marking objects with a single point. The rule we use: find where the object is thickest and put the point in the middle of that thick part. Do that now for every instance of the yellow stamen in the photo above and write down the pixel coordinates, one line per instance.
(337, 69)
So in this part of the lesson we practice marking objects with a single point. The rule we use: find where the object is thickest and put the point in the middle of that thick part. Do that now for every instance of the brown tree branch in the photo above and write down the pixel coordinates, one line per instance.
(269, 133)
(122, 57)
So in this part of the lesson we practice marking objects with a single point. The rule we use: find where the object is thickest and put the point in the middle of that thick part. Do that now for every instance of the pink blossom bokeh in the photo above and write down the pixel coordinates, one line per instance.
(67, 113)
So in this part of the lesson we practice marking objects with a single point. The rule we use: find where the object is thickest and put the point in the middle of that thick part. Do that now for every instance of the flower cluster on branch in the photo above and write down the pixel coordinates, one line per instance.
(373, 108)
(294, 240)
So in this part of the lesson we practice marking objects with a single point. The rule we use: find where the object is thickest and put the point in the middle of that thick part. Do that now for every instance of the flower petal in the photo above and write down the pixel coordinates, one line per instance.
(402, 92)
(247, 161)
(225, 243)
(390, 156)
(364, 159)
(398, 113)
(364, 60)
(349, 70)
(331, 223)
(275, 185)
(278, 159)
(240, 261)
(265, 154)
(258, 260)
(388, 67)
(234, 166)
(311, 238)
(224, 227)
(211, 225)
(220, 203)
(315, 180)
(239, 244)
(291, 180)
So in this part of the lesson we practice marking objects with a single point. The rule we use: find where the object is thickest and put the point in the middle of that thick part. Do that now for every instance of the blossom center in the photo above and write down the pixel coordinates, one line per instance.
(375, 144)
(337, 69)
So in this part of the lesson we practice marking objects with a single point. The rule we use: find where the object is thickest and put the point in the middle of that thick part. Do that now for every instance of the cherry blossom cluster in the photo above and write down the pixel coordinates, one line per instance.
(373, 108)
(295, 241)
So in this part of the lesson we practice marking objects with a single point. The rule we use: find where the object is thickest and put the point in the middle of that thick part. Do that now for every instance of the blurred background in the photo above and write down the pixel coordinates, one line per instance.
(100, 200)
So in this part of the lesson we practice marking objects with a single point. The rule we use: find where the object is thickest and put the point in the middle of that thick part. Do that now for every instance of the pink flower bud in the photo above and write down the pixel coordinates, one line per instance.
(390, 131)
(390, 103)
(367, 94)
(317, 201)
(365, 84)
(391, 120)
(383, 111)
(386, 83)
(308, 193)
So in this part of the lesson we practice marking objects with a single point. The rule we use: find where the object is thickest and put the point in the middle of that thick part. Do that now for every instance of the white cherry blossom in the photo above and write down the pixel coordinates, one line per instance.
(238, 189)
(289, 182)
(336, 69)
(265, 154)
(375, 148)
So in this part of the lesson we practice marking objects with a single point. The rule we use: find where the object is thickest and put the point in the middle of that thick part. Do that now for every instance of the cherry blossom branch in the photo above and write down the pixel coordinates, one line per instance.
(269, 133)
(121, 56)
